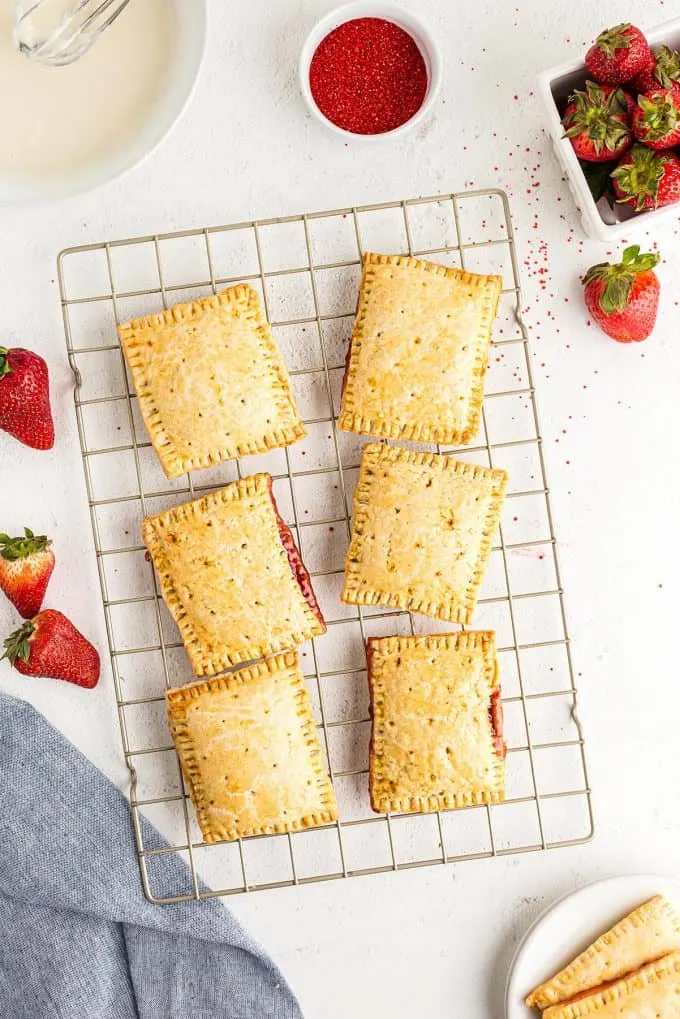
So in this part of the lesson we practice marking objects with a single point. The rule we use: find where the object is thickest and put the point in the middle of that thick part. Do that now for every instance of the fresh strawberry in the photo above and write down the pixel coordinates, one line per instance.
(645, 179)
(618, 55)
(664, 72)
(25, 398)
(624, 299)
(26, 566)
(656, 118)
(597, 122)
(50, 645)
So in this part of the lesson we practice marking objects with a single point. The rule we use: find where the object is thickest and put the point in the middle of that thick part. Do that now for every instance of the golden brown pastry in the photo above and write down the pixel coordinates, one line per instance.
(651, 992)
(211, 381)
(419, 351)
(232, 576)
(249, 751)
(437, 737)
(422, 531)
(650, 931)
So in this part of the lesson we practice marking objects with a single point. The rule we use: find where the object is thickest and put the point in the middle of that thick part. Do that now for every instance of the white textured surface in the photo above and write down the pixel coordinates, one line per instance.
(431, 942)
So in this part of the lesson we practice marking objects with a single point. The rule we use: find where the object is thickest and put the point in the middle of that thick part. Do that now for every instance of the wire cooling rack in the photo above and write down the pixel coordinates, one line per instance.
(307, 269)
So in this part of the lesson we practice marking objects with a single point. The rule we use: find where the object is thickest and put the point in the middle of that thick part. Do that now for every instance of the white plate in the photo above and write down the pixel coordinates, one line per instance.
(570, 925)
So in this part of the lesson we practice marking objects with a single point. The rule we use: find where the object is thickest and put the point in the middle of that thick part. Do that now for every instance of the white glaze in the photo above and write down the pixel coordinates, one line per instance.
(58, 119)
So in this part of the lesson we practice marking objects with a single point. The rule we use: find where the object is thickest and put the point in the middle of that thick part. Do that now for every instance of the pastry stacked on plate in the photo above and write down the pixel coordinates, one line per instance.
(633, 969)
(212, 385)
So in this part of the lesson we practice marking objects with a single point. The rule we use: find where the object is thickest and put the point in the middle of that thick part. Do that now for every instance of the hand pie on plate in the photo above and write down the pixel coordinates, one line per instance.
(650, 931)
(651, 992)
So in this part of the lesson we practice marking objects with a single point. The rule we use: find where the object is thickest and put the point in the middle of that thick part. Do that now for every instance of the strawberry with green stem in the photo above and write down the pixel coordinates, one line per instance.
(50, 645)
(597, 122)
(656, 118)
(25, 398)
(619, 54)
(26, 565)
(624, 298)
(663, 73)
(645, 179)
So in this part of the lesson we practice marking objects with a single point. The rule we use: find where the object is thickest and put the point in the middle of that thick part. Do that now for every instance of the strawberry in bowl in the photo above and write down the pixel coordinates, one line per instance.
(597, 121)
(664, 72)
(618, 55)
(656, 118)
(645, 179)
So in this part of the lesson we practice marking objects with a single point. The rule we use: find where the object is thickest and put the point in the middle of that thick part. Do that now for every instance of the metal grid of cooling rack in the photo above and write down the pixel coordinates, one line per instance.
(307, 269)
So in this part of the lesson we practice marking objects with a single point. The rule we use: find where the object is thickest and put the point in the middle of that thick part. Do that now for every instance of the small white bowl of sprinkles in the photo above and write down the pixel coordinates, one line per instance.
(370, 71)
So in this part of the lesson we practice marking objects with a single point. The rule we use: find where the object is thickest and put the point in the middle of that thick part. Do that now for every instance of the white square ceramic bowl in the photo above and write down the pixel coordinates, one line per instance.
(599, 220)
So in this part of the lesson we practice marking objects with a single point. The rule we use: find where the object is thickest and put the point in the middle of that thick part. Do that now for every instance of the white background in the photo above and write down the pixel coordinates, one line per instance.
(432, 942)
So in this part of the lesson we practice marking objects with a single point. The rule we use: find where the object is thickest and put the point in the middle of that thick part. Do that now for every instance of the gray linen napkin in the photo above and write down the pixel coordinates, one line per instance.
(78, 938)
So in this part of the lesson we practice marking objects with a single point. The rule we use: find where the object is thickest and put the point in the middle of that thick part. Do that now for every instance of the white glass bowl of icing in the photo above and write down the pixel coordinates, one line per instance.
(69, 129)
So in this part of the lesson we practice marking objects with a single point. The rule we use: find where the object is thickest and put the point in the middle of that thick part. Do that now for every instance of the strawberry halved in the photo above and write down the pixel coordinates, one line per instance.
(26, 565)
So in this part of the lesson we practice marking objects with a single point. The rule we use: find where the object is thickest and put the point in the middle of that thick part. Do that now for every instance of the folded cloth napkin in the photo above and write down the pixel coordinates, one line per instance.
(79, 939)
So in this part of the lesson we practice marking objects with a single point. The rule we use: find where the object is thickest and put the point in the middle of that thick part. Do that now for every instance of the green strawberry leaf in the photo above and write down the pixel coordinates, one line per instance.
(4, 366)
(636, 262)
(618, 279)
(597, 177)
(639, 176)
(615, 294)
(660, 115)
(618, 103)
(17, 644)
(13, 549)
(667, 68)
(613, 39)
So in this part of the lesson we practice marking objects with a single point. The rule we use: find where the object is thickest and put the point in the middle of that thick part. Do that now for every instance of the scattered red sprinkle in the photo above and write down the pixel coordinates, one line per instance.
(368, 76)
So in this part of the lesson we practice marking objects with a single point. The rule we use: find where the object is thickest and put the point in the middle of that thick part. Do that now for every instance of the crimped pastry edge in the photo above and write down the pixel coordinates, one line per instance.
(542, 997)
(352, 420)
(486, 639)
(645, 976)
(209, 661)
(247, 303)
(177, 700)
(454, 610)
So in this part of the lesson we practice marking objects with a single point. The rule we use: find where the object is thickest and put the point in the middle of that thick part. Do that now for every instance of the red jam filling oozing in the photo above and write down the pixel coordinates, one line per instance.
(296, 565)
(348, 357)
(368, 76)
(496, 717)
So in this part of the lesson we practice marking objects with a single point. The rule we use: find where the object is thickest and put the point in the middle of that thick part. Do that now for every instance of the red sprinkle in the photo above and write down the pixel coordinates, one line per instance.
(368, 76)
